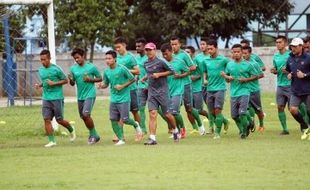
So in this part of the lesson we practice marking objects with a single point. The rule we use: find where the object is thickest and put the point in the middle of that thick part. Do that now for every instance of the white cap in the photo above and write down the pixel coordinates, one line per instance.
(296, 42)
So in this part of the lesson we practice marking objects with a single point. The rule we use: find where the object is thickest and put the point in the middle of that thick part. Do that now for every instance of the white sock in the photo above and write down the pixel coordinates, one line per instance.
(176, 130)
(153, 137)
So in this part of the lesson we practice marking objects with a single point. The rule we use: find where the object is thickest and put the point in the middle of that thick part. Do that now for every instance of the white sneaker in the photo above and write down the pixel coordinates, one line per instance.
(72, 134)
(50, 144)
(120, 142)
(202, 130)
(216, 136)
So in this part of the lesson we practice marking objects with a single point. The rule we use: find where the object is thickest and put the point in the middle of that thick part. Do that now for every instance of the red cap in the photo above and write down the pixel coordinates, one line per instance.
(150, 46)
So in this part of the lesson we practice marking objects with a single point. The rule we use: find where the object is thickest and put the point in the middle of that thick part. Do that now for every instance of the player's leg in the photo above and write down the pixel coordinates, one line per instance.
(134, 106)
(153, 106)
(174, 109)
(85, 108)
(142, 98)
(219, 97)
(117, 128)
(295, 101)
(47, 113)
(243, 102)
(234, 113)
(198, 105)
(256, 104)
(282, 98)
(210, 105)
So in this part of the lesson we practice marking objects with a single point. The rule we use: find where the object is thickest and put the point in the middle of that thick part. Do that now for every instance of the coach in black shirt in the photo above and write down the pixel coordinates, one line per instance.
(298, 67)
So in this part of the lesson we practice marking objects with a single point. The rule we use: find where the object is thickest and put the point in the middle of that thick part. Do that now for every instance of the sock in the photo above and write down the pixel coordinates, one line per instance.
(142, 115)
(153, 137)
(51, 138)
(195, 113)
(218, 123)
(244, 123)
(261, 122)
(70, 129)
(282, 118)
(93, 132)
(298, 117)
(251, 111)
(195, 126)
(238, 123)
(179, 120)
(211, 120)
(225, 121)
(131, 122)
(118, 130)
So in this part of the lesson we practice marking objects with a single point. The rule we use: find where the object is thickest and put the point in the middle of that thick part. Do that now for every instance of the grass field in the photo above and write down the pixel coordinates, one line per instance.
(263, 161)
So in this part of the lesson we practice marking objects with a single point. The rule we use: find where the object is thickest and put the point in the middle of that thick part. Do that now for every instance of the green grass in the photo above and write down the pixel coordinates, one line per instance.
(263, 161)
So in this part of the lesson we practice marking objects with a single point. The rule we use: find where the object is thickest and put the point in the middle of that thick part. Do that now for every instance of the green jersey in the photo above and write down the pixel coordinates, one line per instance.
(176, 86)
(118, 75)
(279, 63)
(254, 85)
(55, 74)
(85, 89)
(239, 70)
(141, 61)
(213, 67)
(182, 55)
(129, 61)
(198, 60)
(257, 59)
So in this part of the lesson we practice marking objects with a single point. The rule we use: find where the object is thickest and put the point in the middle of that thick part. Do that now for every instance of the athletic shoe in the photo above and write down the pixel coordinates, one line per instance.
(202, 130)
(176, 137)
(93, 140)
(120, 142)
(284, 133)
(193, 132)
(251, 127)
(306, 134)
(226, 126)
(72, 134)
(171, 136)
(216, 136)
(50, 144)
(243, 136)
(210, 131)
(261, 129)
(150, 142)
(183, 133)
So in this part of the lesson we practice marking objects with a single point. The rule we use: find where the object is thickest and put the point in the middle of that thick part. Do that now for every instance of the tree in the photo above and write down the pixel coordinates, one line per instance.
(88, 22)
(220, 18)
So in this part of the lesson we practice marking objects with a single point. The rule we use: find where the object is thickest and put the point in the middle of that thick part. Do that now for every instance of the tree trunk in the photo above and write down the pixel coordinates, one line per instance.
(197, 43)
(92, 49)
(227, 42)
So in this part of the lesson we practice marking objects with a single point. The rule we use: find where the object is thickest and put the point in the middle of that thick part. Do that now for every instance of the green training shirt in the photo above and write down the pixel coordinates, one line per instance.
(239, 70)
(213, 67)
(198, 60)
(257, 59)
(182, 55)
(129, 61)
(85, 89)
(118, 75)
(254, 85)
(53, 73)
(141, 61)
(176, 86)
(279, 62)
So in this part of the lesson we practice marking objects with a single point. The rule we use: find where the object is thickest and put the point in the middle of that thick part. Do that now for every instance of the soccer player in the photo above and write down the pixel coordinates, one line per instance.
(239, 72)
(53, 78)
(119, 78)
(298, 66)
(174, 83)
(85, 74)
(128, 60)
(254, 56)
(216, 86)
(142, 85)
(192, 114)
(307, 44)
(283, 93)
(255, 105)
(157, 71)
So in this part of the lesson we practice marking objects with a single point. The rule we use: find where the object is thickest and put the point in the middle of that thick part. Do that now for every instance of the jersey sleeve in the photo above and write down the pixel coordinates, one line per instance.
(127, 73)
(72, 73)
(259, 61)
(60, 74)
(188, 60)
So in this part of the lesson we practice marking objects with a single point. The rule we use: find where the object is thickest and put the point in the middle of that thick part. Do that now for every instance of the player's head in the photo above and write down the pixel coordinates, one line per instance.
(150, 49)
(236, 50)
(296, 46)
(245, 42)
(110, 57)
(45, 58)
(78, 55)
(175, 44)
(307, 44)
(190, 50)
(166, 51)
(120, 44)
(212, 47)
(246, 52)
(203, 44)
(281, 42)
(140, 43)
